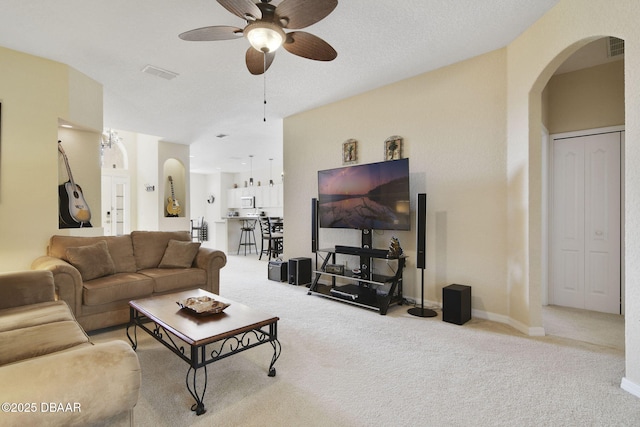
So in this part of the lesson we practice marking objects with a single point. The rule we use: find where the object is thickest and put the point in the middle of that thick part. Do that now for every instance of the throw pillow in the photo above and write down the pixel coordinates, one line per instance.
(179, 254)
(92, 261)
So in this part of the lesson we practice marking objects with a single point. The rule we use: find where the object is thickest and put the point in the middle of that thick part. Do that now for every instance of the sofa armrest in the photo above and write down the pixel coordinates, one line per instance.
(26, 287)
(67, 280)
(92, 384)
(211, 260)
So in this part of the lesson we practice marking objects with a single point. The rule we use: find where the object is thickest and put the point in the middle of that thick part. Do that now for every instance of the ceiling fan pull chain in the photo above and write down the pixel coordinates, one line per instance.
(264, 75)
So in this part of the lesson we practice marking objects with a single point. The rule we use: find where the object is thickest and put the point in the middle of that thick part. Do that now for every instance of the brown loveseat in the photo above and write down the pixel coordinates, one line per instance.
(98, 276)
(51, 374)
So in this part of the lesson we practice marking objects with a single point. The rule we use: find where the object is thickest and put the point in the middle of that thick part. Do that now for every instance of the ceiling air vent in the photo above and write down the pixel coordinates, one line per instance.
(159, 72)
(616, 47)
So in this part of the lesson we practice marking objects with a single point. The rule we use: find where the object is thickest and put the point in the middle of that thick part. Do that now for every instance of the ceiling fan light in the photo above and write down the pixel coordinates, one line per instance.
(264, 36)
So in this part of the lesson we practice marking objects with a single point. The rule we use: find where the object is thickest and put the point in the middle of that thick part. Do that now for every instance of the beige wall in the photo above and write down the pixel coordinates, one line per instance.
(35, 93)
(586, 99)
(453, 124)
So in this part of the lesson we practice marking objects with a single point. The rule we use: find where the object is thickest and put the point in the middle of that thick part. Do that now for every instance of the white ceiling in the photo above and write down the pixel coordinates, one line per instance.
(378, 42)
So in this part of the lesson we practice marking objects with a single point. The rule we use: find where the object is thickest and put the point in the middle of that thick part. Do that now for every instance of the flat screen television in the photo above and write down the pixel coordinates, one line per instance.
(371, 196)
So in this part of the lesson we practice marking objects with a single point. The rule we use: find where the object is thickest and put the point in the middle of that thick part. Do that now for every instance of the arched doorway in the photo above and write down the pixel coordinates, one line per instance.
(116, 185)
(584, 91)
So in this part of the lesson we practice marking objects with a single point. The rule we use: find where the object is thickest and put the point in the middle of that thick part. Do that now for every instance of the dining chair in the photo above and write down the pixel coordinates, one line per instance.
(274, 240)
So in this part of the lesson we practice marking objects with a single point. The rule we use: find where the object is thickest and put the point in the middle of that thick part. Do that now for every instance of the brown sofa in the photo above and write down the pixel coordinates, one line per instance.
(98, 276)
(51, 374)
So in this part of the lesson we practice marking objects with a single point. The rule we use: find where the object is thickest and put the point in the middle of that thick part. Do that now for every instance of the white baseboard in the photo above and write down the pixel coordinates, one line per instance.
(527, 330)
(535, 331)
(630, 387)
(532, 331)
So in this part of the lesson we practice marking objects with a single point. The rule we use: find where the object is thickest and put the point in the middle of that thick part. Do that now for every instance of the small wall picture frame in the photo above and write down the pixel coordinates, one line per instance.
(349, 151)
(393, 148)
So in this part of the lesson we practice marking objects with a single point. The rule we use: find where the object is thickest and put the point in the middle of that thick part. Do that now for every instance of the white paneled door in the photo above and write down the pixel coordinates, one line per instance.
(115, 205)
(585, 222)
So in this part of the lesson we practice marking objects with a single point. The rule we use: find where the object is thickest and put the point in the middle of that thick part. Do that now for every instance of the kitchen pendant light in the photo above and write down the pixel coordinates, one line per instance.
(250, 169)
(270, 172)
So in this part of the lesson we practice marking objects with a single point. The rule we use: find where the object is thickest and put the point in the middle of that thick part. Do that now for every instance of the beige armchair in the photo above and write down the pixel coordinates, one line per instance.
(51, 373)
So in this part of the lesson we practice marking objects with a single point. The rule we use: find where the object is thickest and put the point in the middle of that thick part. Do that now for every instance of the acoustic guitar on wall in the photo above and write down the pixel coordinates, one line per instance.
(173, 207)
(73, 209)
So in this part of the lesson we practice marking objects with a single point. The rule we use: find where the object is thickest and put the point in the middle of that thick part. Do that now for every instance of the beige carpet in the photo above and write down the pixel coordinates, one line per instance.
(346, 366)
(582, 325)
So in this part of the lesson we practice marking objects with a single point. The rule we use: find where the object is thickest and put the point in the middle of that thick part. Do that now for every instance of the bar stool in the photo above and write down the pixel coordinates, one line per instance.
(247, 236)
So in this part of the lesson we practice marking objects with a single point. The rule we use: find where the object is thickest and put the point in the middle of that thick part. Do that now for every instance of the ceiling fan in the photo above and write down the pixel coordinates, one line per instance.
(265, 30)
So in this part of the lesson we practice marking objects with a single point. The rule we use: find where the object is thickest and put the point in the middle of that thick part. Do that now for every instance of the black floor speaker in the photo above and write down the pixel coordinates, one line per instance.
(299, 271)
(314, 225)
(456, 304)
(421, 231)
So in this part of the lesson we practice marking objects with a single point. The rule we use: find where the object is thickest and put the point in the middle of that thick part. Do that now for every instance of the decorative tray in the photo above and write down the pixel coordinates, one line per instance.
(203, 305)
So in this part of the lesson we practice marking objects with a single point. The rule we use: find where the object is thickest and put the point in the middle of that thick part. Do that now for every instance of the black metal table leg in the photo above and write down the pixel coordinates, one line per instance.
(134, 340)
(277, 348)
(197, 407)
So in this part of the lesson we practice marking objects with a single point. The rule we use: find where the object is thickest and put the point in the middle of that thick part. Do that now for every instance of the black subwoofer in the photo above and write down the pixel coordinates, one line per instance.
(456, 304)
(300, 271)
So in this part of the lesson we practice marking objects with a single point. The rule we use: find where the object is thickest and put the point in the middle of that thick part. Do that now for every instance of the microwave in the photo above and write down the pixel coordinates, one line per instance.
(247, 202)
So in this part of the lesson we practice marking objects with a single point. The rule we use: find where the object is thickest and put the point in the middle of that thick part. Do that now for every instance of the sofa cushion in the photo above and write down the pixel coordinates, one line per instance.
(92, 261)
(26, 287)
(120, 249)
(168, 279)
(101, 381)
(116, 287)
(34, 314)
(34, 341)
(149, 246)
(179, 254)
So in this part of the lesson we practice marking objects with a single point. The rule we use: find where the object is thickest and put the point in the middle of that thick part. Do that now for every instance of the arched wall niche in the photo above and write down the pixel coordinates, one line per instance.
(173, 175)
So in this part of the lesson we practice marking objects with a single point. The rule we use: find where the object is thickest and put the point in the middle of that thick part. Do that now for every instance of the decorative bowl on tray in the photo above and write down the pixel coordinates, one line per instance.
(203, 305)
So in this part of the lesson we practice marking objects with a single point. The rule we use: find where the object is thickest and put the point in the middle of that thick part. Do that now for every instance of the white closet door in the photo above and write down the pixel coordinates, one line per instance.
(585, 263)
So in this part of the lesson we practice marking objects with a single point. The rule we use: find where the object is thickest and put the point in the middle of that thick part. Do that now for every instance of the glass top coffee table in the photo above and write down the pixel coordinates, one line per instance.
(208, 337)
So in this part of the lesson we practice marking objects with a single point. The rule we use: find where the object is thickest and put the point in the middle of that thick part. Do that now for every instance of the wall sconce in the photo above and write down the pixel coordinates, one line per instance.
(211, 199)
(150, 187)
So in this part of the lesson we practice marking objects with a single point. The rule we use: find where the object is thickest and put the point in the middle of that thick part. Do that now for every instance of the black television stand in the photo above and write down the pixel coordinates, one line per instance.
(360, 286)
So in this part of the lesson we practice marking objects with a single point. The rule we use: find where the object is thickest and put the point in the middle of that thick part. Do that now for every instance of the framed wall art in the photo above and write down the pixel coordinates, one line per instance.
(393, 148)
(349, 151)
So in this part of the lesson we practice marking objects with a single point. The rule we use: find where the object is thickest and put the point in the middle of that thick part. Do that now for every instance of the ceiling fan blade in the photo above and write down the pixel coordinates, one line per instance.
(256, 61)
(207, 34)
(296, 14)
(242, 8)
(309, 46)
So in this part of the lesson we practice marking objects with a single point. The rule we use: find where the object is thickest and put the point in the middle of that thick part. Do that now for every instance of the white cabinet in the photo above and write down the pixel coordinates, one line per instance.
(233, 198)
(265, 196)
(258, 193)
(275, 196)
